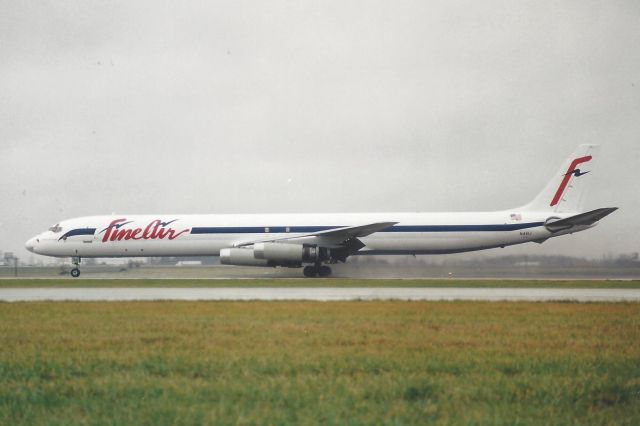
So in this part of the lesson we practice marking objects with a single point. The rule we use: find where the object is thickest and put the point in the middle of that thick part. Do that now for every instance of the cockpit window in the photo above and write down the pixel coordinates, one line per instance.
(55, 228)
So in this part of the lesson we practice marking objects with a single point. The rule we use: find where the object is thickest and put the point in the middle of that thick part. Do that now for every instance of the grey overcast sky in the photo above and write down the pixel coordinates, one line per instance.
(304, 106)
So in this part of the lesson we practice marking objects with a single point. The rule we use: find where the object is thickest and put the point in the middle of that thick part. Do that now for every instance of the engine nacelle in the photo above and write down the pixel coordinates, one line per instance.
(286, 253)
(241, 257)
(274, 254)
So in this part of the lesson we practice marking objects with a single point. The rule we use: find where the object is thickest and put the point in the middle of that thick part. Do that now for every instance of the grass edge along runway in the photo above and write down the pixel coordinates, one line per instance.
(302, 282)
(331, 362)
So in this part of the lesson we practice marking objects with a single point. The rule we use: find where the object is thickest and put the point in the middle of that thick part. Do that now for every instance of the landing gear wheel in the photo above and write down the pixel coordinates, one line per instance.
(310, 271)
(324, 271)
(75, 272)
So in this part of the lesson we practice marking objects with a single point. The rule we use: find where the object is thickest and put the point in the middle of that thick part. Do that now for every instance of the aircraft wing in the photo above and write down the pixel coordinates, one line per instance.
(329, 237)
(355, 231)
(582, 219)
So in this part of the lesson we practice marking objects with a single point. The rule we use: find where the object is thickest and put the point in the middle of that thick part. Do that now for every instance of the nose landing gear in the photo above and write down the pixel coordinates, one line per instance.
(75, 272)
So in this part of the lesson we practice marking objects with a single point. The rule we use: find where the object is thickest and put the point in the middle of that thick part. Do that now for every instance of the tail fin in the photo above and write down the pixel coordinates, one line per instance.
(565, 193)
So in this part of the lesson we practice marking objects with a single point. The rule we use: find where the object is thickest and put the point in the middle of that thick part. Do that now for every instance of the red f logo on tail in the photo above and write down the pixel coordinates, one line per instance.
(572, 171)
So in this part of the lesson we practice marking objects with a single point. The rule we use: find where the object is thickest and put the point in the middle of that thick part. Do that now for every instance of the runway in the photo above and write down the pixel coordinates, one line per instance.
(320, 294)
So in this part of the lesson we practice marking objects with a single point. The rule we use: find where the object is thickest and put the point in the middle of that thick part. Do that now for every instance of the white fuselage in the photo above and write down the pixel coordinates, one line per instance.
(206, 235)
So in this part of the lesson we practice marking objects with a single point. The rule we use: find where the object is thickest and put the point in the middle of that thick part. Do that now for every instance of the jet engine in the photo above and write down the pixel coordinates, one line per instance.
(241, 257)
(274, 254)
(286, 252)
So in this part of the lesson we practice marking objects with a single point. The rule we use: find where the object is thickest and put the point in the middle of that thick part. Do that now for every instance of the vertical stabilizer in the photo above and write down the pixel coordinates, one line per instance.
(565, 193)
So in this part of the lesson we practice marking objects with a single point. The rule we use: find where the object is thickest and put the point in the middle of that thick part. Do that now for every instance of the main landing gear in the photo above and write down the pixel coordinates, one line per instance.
(321, 271)
(75, 272)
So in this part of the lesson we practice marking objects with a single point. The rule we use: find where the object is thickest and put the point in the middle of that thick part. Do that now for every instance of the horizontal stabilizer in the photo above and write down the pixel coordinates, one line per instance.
(582, 219)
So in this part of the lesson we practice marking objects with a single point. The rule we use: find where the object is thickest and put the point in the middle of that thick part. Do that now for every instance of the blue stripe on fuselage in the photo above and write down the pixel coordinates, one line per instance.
(395, 228)
(81, 231)
(462, 228)
(258, 229)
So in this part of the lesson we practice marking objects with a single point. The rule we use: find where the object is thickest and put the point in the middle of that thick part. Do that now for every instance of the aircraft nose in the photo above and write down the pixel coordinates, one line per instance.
(31, 244)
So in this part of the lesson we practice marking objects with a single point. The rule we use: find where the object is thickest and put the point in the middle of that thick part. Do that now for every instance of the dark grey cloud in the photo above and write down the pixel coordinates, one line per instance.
(289, 106)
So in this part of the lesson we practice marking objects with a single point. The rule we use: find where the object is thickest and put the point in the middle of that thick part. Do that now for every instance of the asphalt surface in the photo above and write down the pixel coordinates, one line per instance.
(320, 294)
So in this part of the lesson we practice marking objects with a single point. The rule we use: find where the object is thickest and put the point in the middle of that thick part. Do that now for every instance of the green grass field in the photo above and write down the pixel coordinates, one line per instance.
(317, 282)
(331, 362)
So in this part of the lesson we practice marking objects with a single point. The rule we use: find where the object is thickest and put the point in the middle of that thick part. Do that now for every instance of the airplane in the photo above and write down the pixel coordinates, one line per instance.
(314, 241)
